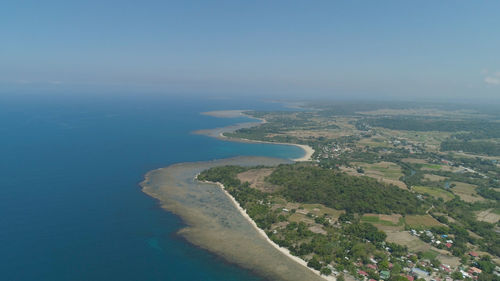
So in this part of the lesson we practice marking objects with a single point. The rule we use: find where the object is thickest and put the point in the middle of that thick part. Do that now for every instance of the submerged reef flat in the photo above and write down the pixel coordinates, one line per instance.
(215, 223)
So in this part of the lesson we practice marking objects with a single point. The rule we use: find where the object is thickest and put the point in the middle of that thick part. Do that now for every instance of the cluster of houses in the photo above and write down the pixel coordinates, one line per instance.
(414, 270)
(439, 241)
(328, 151)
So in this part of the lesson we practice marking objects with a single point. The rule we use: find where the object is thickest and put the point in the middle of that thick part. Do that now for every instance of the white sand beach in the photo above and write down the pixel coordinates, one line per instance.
(264, 235)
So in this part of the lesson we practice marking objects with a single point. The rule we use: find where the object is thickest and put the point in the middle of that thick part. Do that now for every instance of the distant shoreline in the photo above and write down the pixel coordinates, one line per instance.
(219, 132)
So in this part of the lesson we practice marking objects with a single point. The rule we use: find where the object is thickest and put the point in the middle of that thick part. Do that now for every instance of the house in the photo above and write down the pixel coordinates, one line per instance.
(409, 277)
(372, 266)
(448, 245)
(475, 271)
(473, 254)
(419, 272)
(465, 274)
(446, 268)
(361, 272)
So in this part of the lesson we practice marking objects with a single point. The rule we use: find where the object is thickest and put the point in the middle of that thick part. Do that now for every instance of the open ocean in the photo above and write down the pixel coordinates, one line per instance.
(70, 204)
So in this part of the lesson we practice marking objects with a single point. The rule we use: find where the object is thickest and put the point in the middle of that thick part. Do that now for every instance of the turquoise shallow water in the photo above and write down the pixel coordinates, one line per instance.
(69, 196)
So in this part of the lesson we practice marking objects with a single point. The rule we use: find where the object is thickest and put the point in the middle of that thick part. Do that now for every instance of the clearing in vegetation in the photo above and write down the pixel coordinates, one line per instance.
(490, 215)
(421, 221)
(434, 191)
(466, 192)
(432, 177)
(256, 179)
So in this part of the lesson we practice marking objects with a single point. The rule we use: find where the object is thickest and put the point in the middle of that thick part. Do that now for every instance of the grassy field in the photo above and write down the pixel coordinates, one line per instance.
(466, 192)
(385, 172)
(319, 210)
(431, 140)
(388, 220)
(432, 166)
(431, 254)
(374, 142)
(435, 192)
(490, 215)
(384, 169)
(434, 177)
(421, 221)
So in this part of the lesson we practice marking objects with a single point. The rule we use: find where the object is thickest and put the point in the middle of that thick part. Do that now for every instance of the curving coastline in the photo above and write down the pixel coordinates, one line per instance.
(215, 223)
(219, 132)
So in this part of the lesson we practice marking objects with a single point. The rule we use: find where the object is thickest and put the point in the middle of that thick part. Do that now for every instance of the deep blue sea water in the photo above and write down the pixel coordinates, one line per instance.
(70, 204)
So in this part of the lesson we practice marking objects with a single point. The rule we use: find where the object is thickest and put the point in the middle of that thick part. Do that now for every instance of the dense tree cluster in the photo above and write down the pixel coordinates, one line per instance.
(477, 147)
(310, 184)
(485, 128)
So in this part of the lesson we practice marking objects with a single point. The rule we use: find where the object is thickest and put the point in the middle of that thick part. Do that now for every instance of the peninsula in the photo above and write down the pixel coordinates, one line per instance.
(384, 191)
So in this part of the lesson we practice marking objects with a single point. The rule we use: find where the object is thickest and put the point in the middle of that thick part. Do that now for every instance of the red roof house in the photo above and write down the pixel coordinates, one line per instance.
(409, 277)
(361, 272)
(372, 266)
(473, 254)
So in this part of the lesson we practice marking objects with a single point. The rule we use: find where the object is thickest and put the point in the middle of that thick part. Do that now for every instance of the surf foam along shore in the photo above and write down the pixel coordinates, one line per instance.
(214, 221)
(219, 132)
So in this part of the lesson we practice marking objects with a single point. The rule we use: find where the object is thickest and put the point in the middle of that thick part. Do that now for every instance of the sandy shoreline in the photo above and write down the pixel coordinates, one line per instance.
(215, 223)
(264, 235)
(308, 151)
(219, 132)
(215, 220)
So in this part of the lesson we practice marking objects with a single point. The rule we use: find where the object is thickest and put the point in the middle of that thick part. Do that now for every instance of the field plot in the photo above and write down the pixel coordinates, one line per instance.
(466, 192)
(374, 142)
(421, 221)
(414, 160)
(431, 139)
(405, 238)
(434, 177)
(377, 174)
(256, 178)
(434, 192)
(394, 222)
(435, 167)
(414, 244)
(490, 215)
(298, 217)
(320, 210)
(308, 134)
(386, 172)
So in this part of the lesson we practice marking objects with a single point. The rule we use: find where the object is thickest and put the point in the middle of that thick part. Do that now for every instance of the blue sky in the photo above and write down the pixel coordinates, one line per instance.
(392, 49)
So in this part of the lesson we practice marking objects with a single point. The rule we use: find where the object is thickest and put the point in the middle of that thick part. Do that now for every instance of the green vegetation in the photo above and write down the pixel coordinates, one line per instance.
(393, 167)
(377, 220)
(434, 191)
(309, 184)
(485, 128)
(477, 147)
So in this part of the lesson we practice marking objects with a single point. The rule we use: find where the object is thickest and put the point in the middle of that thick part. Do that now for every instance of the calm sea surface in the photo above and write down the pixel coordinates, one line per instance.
(70, 204)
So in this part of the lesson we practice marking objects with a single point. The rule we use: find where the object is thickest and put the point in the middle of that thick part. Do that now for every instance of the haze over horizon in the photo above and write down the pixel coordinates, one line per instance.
(282, 49)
